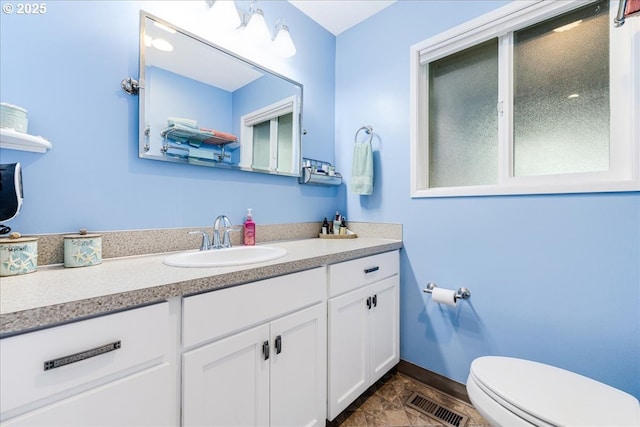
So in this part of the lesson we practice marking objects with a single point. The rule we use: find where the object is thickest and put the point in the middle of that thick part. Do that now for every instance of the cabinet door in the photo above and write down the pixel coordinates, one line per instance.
(384, 341)
(298, 368)
(129, 401)
(348, 349)
(226, 383)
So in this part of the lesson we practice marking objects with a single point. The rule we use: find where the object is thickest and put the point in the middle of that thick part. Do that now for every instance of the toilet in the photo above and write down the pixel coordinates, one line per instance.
(516, 392)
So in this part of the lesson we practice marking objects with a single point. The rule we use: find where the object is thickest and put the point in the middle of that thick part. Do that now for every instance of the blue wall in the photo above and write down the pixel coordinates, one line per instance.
(65, 68)
(553, 278)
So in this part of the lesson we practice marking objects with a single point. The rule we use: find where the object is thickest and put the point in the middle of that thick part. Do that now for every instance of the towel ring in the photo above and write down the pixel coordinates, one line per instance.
(368, 130)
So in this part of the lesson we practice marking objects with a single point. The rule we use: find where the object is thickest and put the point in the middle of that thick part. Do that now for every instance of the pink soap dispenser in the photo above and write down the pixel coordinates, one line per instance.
(249, 230)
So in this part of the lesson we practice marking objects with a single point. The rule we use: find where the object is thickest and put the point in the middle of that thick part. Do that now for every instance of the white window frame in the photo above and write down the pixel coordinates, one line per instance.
(269, 113)
(624, 161)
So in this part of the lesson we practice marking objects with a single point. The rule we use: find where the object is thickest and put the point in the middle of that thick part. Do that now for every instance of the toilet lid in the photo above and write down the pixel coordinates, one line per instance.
(536, 391)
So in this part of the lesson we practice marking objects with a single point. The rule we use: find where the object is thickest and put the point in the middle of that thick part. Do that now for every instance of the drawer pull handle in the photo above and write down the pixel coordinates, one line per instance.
(278, 344)
(265, 350)
(66, 360)
(371, 270)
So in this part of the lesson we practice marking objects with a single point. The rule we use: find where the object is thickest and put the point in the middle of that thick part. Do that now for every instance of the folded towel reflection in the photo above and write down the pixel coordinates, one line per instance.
(190, 123)
(223, 135)
(362, 169)
(186, 131)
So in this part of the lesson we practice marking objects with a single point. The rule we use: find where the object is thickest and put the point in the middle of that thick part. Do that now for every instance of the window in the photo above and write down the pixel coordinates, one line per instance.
(269, 138)
(273, 144)
(535, 97)
(462, 102)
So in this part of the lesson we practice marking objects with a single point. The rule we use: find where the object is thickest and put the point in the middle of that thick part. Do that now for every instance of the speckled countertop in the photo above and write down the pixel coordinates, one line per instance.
(55, 294)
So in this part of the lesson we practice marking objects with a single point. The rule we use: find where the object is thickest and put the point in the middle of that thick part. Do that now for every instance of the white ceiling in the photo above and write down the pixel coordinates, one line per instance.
(340, 15)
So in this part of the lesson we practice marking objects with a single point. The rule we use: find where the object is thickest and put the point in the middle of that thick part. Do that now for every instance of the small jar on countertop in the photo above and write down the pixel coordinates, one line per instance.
(83, 249)
(18, 255)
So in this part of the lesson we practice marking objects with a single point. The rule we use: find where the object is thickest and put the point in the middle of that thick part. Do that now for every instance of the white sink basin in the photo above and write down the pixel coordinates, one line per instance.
(237, 255)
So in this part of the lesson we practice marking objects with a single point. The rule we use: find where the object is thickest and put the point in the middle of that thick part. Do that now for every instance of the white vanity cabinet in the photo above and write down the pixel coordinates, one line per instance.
(256, 354)
(363, 326)
(110, 370)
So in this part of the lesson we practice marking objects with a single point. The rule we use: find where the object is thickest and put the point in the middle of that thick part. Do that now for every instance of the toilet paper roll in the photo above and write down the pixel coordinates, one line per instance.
(444, 296)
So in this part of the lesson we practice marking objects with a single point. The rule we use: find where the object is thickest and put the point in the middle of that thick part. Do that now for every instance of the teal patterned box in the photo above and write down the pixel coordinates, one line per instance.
(82, 250)
(18, 256)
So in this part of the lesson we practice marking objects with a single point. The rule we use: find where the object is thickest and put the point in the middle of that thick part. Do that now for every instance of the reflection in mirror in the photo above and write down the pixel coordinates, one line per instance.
(200, 104)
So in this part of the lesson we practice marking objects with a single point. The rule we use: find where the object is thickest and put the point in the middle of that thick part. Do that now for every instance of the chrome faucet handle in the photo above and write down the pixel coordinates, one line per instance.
(226, 222)
(205, 245)
(226, 241)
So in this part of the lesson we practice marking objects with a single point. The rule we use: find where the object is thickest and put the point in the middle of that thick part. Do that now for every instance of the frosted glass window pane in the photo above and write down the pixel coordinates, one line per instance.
(561, 94)
(285, 142)
(463, 119)
(261, 143)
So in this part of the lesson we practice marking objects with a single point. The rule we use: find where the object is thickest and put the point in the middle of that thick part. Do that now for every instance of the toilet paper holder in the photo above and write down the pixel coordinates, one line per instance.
(461, 293)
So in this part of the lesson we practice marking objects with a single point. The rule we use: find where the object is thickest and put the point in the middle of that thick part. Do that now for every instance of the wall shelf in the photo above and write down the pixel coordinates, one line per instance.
(14, 140)
(316, 172)
(309, 177)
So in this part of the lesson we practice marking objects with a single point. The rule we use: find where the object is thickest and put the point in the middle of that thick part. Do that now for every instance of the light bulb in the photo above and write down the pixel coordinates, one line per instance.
(225, 15)
(162, 44)
(283, 44)
(256, 28)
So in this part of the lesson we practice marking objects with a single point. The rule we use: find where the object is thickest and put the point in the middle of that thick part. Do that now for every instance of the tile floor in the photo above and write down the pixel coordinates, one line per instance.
(383, 405)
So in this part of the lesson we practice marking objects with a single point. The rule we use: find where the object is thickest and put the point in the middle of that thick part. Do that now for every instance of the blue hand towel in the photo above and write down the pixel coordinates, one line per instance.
(362, 169)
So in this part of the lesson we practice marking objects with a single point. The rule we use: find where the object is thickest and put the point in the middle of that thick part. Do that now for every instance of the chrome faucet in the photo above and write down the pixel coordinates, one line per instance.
(222, 220)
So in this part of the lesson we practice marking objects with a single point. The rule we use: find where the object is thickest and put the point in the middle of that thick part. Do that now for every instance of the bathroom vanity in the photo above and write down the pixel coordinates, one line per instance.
(133, 341)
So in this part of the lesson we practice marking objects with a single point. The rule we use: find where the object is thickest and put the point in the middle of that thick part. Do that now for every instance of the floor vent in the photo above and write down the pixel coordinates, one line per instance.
(436, 411)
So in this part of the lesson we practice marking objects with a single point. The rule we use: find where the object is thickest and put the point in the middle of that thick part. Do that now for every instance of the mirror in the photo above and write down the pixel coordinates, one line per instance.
(203, 105)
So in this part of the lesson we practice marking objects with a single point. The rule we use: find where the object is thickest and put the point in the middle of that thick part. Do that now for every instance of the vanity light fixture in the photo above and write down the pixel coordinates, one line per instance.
(224, 14)
(252, 25)
(282, 42)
